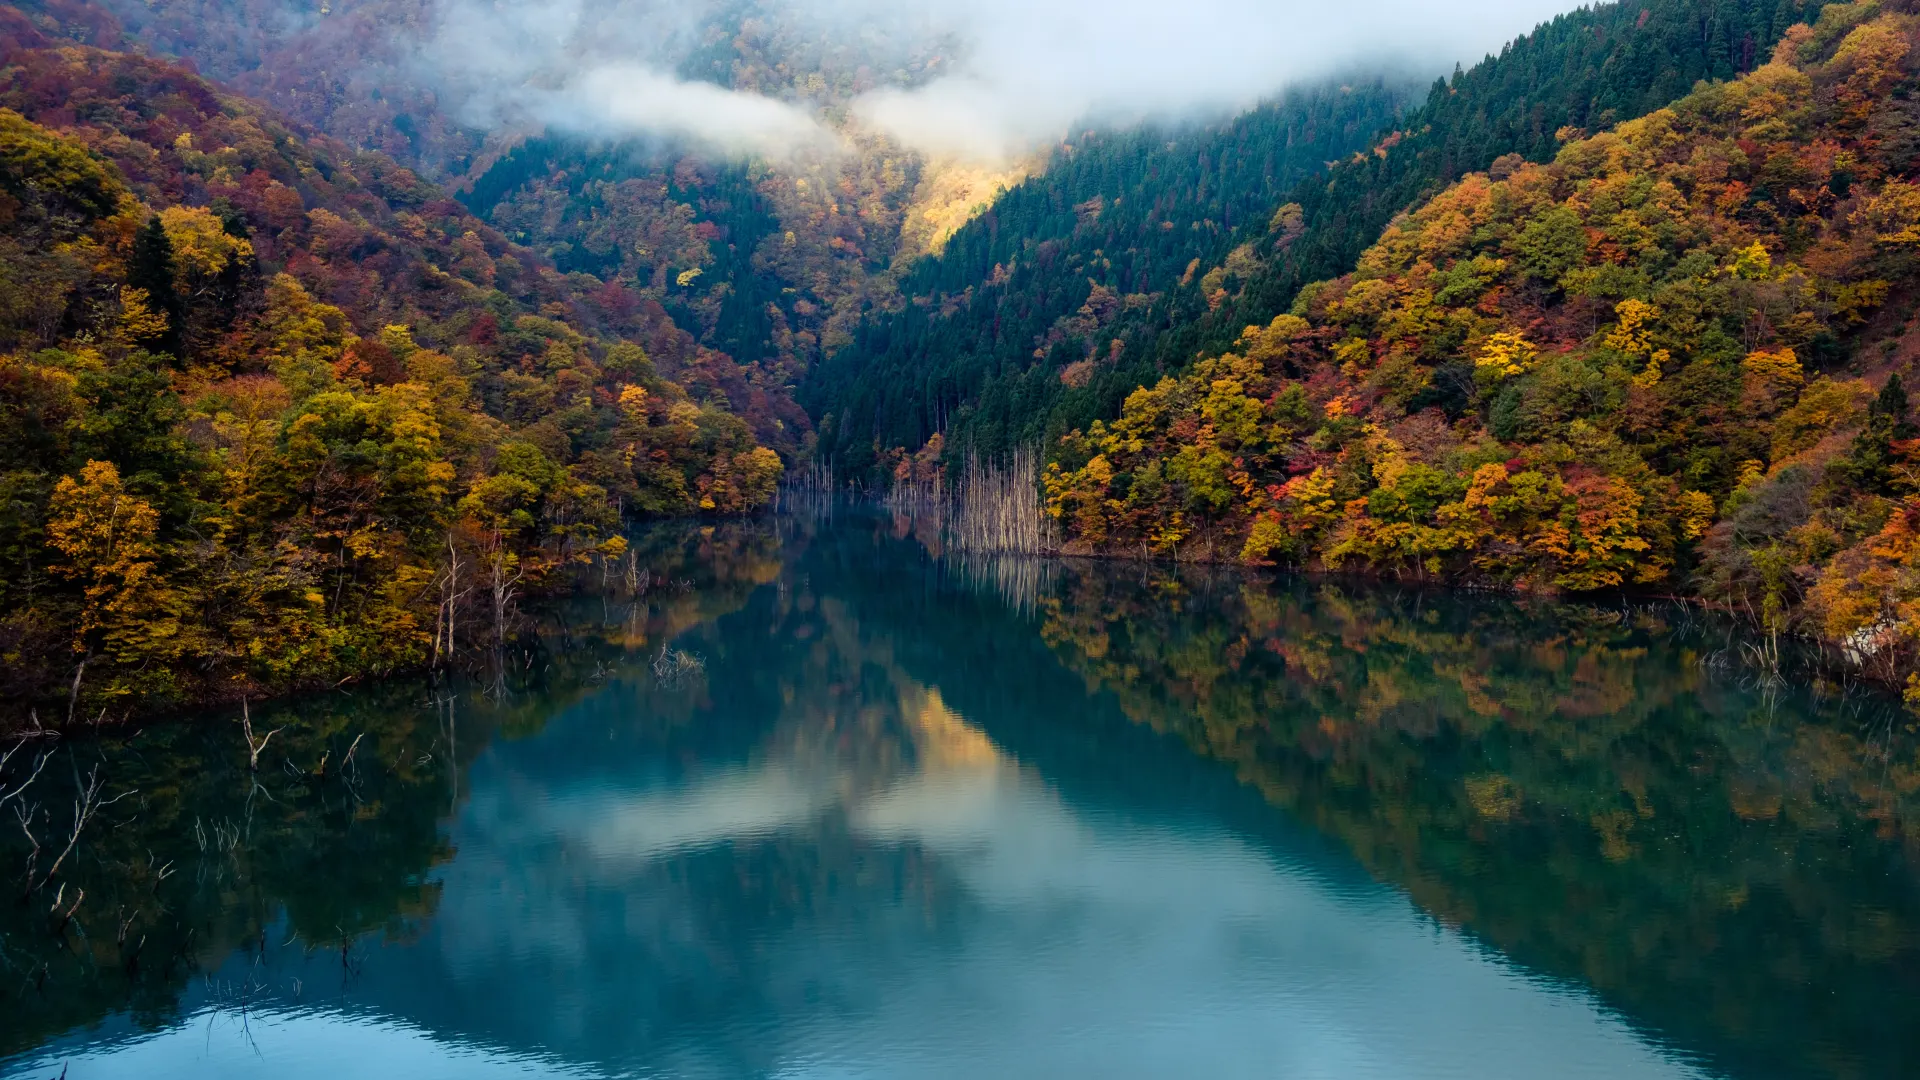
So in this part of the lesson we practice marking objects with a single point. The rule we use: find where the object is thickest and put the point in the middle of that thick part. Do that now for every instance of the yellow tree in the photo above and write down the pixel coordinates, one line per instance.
(1506, 353)
(202, 246)
(1633, 336)
(106, 537)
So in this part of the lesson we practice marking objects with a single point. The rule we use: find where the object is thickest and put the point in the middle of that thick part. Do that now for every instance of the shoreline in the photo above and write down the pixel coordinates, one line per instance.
(1819, 657)
(1796, 659)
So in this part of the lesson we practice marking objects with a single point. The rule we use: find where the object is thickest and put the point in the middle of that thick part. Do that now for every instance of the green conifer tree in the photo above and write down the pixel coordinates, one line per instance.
(151, 268)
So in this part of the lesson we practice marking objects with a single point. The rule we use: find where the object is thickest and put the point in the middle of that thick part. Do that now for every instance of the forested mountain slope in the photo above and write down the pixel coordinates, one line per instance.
(1058, 270)
(966, 371)
(341, 68)
(779, 266)
(274, 412)
(1659, 360)
(775, 261)
(769, 265)
(391, 75)
(763, 261)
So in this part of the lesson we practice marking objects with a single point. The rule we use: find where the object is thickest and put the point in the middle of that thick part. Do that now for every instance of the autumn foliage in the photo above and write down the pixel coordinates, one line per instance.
(273, 413)
(1651, 363)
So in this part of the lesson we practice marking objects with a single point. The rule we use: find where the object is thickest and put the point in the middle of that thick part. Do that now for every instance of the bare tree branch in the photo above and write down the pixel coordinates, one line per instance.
(254, 748)
(348, 760)
(38, 765)
(89, 804)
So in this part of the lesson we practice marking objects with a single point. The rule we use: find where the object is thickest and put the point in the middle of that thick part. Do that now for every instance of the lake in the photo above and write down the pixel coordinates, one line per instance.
(822, 801)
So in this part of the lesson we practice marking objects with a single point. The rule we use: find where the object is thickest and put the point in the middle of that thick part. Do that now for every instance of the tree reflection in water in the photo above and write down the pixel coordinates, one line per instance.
(897, 788)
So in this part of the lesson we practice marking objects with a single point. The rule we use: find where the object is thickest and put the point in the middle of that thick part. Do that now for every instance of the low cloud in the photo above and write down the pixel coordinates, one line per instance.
(977, 78)
(625, 98)
(1035, 68)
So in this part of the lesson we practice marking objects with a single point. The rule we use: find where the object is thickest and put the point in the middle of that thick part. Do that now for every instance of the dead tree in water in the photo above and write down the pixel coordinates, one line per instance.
(87, 804)
(505, 581)
(809, 490)
(997, 507)
(346, 763)
(451, 593)
(254, 747)
(40, 762)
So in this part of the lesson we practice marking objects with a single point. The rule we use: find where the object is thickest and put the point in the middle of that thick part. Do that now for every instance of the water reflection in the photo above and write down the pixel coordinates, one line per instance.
(896, 827)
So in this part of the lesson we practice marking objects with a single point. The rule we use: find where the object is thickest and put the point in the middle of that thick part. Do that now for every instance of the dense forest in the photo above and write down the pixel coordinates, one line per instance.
(770, 260)
(993, 376)
(1053, 275)
(347, 415)
(1665, 359)
(277, 413)
(769, 266)
(792, 266)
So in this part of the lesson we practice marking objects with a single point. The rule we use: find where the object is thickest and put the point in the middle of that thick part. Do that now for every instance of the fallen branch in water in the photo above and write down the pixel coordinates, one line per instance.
(25, 812)
(672, 666)
(348, 760)
(66, 917)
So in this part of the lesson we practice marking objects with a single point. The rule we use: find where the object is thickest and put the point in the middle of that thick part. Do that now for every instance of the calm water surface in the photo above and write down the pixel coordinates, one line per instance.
(911, 817)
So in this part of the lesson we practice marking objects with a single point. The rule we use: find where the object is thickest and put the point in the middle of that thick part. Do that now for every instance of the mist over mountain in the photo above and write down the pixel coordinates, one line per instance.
(978, 79)
(998, 77)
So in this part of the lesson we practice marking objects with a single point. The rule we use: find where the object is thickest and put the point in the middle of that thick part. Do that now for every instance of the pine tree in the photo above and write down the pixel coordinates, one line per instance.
(1892, 403)
(1868, 464)
(151, 269)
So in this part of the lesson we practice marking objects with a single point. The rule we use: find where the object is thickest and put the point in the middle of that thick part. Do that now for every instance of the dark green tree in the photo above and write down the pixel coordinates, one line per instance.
(132, 417)
(151, 268)
(1892, 403)
(1868, 465)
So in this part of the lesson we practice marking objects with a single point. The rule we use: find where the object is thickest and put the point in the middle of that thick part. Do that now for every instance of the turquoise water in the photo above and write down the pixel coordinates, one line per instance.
(899, 815)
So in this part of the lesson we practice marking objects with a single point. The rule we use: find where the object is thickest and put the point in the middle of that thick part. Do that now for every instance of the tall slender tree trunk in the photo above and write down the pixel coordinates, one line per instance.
(73, 695)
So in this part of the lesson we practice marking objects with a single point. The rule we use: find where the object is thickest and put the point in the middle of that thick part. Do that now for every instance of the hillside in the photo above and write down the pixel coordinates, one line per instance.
(392, 75)
(279, 413)
(769, 264)
(336, 68)
(1058, 271)
(770, 261)
(1660, 360)
(992, 381)
(776, 260)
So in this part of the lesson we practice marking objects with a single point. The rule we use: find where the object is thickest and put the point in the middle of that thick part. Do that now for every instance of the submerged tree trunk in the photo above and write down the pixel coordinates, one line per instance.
(448, 616)
(73, 695)
(998, 509)
(506, 575)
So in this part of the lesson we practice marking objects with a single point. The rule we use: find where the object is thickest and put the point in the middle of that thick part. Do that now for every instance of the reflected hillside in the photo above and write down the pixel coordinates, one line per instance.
(893, 814)
(1584, 790)
(331, 845)
(808, 849)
